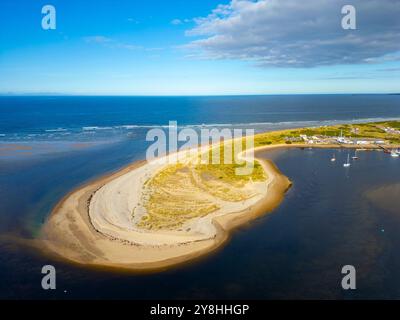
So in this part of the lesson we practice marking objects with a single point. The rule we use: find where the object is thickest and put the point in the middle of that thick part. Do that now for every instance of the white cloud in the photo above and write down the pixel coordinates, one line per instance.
(176, 22)
(97, 39)
(111, 43)
(131, 20)
(293, 33)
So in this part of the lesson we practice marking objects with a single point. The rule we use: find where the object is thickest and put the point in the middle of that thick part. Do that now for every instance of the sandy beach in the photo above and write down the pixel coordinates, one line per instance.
(79, 230)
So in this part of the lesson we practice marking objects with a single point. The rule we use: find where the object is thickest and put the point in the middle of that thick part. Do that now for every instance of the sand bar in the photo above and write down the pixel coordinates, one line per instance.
(92, 225)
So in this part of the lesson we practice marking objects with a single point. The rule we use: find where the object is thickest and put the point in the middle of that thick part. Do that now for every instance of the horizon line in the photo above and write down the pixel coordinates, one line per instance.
(54, 94)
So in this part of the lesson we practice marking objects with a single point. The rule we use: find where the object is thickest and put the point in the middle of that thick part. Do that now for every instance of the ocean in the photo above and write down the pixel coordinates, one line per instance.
(330, 217)
(88, 118)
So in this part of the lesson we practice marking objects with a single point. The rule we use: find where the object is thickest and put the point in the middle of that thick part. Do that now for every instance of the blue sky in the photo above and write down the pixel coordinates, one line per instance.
(196, 47)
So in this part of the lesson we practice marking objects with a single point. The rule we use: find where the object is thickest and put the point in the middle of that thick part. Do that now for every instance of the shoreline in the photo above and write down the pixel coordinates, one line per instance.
(70, 235)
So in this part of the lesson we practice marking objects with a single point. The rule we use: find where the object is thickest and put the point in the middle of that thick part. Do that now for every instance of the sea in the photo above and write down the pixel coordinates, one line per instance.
(331, 217)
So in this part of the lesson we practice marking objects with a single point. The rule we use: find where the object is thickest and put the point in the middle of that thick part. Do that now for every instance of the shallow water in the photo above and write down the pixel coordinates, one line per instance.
(328, 219)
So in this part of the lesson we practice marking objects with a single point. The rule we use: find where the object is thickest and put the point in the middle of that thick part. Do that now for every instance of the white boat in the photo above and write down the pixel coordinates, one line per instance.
(347, 164)
(395, 154)
(355, 157)
(333, 158)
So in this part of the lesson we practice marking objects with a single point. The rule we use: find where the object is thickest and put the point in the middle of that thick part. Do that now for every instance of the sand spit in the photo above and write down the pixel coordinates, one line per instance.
(92, 225)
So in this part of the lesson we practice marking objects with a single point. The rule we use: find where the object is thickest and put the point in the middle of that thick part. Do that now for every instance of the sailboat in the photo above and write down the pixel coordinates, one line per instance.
(355, 157)
(333, 158)
(347, 164)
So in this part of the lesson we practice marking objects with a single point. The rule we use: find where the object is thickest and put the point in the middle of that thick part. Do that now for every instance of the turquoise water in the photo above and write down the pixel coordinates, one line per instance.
(330, 217)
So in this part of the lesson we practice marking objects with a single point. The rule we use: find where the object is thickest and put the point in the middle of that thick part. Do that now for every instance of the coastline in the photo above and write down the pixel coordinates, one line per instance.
(69, 233)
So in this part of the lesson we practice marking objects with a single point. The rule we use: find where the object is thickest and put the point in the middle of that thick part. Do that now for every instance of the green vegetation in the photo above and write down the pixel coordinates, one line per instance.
(183, 192)
(227, 172)
(392, 124)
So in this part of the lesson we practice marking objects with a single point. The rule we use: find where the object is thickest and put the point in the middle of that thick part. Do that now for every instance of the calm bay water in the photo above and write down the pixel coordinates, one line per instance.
(331, 217)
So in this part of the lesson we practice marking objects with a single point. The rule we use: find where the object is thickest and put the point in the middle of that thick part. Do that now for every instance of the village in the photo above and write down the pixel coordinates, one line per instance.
(320, 139)
(346, 140)
(381, 137)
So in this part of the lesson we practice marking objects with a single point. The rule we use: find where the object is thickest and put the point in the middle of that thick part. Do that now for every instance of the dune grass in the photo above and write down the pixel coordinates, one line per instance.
(183, 192)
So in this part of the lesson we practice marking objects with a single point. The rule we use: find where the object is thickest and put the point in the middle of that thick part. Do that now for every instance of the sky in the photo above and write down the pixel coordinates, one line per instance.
(192, 47)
